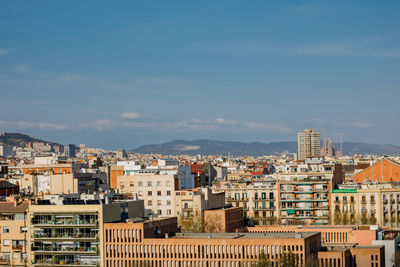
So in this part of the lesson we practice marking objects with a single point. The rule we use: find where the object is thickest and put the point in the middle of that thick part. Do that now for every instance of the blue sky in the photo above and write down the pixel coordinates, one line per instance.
(122, 74)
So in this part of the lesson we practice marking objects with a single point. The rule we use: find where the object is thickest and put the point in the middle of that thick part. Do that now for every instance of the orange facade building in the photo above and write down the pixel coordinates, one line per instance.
(330, 235)
(129, 244)
(385, 170)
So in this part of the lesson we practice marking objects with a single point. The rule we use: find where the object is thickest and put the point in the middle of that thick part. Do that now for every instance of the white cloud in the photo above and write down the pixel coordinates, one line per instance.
(34, 125)
(186, 147)
(131, 115)
(305, 7)
(5, 51)
(101, 124)
(356, 124)
(21, 68)
(332, 49)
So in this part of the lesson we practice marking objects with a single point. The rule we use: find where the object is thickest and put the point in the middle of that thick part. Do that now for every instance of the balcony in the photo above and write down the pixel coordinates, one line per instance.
(263, 199)
(237, 200)
(392, 201)
(17, 247)
(65, 251)
(64, 237)
(385, 201)
(263, 208)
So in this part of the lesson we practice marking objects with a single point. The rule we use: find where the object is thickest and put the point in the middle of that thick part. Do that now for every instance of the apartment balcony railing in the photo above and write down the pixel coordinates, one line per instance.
(17, 247)
(64, 223)
(67, 250)
(263, 208)
(263, 199)
(237, 200)
(51, 262)
(65, 236)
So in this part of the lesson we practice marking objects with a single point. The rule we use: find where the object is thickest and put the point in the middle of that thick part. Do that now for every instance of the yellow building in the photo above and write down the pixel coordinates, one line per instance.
(13, 232)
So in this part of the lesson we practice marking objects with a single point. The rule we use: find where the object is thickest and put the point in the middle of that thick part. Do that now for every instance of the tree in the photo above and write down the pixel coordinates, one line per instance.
(287, 259)
(345, 218)
(192, 224)
(364, 218)
(213, 224)
(372, 219)
(338, 217)
(312, 261)
(263, 260)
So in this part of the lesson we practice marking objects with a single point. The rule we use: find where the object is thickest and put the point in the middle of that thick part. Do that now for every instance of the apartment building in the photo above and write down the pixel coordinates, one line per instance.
(127, 244)
(367, 204)
(157, 191)
(304, 191)
(309, 144)
(70, 232)
(257, 199)
(13, 232)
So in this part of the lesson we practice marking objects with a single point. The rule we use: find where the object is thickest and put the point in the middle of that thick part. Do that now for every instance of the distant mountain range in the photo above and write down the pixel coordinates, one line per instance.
(20, 140)
(209, 147)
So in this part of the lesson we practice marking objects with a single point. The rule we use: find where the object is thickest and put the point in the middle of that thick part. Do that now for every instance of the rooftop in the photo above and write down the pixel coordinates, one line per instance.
(243, 235)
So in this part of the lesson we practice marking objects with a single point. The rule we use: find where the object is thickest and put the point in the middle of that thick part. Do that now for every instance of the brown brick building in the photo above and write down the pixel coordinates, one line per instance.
(385, 170)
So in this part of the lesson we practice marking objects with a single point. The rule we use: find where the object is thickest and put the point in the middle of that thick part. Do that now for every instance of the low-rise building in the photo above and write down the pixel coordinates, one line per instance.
(13, 232)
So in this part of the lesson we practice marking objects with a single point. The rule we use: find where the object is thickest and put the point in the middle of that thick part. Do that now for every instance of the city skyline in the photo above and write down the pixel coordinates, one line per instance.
(129, 74)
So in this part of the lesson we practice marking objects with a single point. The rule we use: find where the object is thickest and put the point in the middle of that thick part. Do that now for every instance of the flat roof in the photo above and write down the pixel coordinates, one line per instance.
(244, 235)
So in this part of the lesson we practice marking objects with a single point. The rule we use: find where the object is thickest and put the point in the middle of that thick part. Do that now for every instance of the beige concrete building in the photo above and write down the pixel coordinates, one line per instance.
(71, 233)
(367, 204)
(304, 191)
(257, 199)
(13, 232)
(309, 144)
(157, 191)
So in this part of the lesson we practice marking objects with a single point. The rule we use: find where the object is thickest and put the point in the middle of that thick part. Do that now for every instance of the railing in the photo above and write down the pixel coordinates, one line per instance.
(67, 249)
(64, 235)
(64, 222)
(17, 247)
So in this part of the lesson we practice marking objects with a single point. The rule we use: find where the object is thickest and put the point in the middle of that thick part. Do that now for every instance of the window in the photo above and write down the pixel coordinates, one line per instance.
(168, 183)
(149, 193)
(20, 216)
(168, 202)
(24, 230)
(6, 242)
(159, 212)
(131, 184)
(140, 184)
(168, 193)
(149, 183)
(169, 212)
(6, 229)
(158, 193)
(158, 202)
(158, 183)
(15, 255)
(149, 203)
(24, 256)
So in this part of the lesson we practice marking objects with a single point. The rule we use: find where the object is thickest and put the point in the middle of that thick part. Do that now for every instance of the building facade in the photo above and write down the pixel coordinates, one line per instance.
(309, 144)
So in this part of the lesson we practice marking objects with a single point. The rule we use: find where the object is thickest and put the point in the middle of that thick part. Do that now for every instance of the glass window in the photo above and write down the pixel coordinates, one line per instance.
(149, 193)
(140, 184)
(158, 183)
(149, 183)
(168, 193)
(6, 242)
(24, 229)
(6, 229)
(158, 193)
